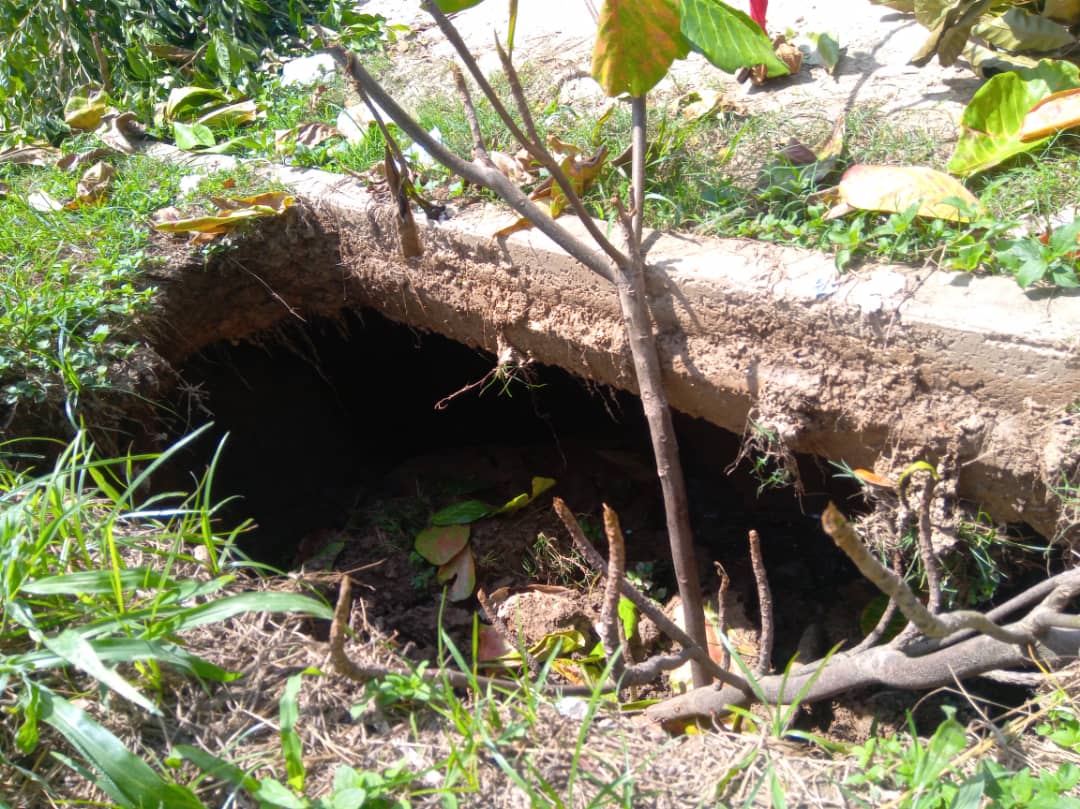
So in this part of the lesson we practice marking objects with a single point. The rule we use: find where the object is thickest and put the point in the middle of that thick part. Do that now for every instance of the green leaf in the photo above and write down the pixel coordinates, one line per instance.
(727, 37)
(992, 121)
(230, 115)
(76, 650)
(439, 544)
(125, 777)
(224, 608)
(186, 103)
(192, 136)
(1020, 30)
(289, 713)
(628, 615)
(217, 767)
(128, 650)
(948, 740)
(1063, 240)
(636, 42)
(461, 513)
(89, 582)
(828, 49)
(451, 6)
(274, 794)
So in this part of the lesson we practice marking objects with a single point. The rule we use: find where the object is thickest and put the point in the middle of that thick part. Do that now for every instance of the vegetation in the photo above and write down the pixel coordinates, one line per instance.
(105, 587)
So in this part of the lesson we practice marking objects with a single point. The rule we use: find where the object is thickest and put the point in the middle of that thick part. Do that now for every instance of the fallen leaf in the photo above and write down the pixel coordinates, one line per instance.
(70, 162)
(186, 103)
(1056, 112)
(490, 644)
(229, 115)
(460, 513)
(309, 135)
(787, 53)
(41, 201)
(511, 167)
(439, 544)
(462, 569)
(873, 479)
(92, 185)
(894, 189)
(120, 130)
(277, 201)
(226, 220)
(85, 108)
(31, 155)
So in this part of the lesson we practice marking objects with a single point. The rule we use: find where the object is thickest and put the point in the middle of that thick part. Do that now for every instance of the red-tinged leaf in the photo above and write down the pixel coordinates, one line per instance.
(462, 570)
(1052, 114)
(439, 544)
(636, 42)
(758, 9)
(873, 478)
(491, 645)
(894, 189)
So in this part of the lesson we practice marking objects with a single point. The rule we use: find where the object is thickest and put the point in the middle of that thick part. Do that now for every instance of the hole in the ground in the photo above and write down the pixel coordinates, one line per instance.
(333, 431)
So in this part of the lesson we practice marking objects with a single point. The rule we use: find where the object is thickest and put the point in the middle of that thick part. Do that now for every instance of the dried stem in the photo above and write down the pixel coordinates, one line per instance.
(480, 151)
(843, 534)
(765, 606)
(647, 607)
(516, 92)
(609, 612)
(721, 614)
(929, 557)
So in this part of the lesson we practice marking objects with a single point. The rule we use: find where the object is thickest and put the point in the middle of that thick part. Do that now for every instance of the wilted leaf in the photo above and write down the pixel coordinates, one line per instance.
(40, 201)
(581, 172)
(92, 185)
(230, 115)
(461, 513)
(636, 42)
(70, 162)
(171, 53)
(310, 135)
(992, 121)
(85, 108)
(462, 570)
(439, 544)
(510, 167)
(118, 130)
(873, 478)
(727, 37)
(229, 218)
(35, 155)
(1020, 30)
(896, 188)
(950, 34)
(490, 644)
(276, 201)
(1052, 114)
(186, 103)
(192, 136)
(698, 104)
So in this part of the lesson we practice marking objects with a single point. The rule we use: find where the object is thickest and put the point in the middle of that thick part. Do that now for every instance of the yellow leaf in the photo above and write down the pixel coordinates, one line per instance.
(894, 189)
(873, 478)
(85, 108)
(92, 185)
(1052, 114)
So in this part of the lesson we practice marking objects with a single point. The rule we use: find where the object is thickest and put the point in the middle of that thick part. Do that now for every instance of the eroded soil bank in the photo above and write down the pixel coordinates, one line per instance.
(875, 371)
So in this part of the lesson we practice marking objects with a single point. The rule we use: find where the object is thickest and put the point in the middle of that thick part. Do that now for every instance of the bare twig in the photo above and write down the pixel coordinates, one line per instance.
(609, 612)
(480, 151)
(929, 557)
(516, 92)
(879, 629)
(647, 607)
(843, 534)
(721, 614)
(765, 606)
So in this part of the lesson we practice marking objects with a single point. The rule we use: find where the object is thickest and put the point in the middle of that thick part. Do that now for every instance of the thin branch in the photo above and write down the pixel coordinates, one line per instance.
(647, 607)
(931, 563)
(879, 629)
(534, 148)
(721, 614)
(480, 151)
(765, 606)
(362, 674)
(843, 534)
(639, 119)
(485, 177)
(609, 610)
(516, 92)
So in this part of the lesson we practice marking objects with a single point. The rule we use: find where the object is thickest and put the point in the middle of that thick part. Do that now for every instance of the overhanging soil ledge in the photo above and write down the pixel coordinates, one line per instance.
(877, 369)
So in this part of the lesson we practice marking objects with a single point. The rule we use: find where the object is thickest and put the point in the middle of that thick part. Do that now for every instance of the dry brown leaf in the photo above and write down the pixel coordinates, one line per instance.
(41, 201)
(310, 135)
(70, 162)
(787, 53)
(511, 167)
(92, 186)
(31, 155)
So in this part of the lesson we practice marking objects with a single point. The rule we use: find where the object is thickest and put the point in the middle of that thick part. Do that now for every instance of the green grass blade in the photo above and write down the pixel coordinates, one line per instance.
(95, 582)
(125, 777)
(225, 608)
(128, 650)
(76, 650)
(217, 767)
